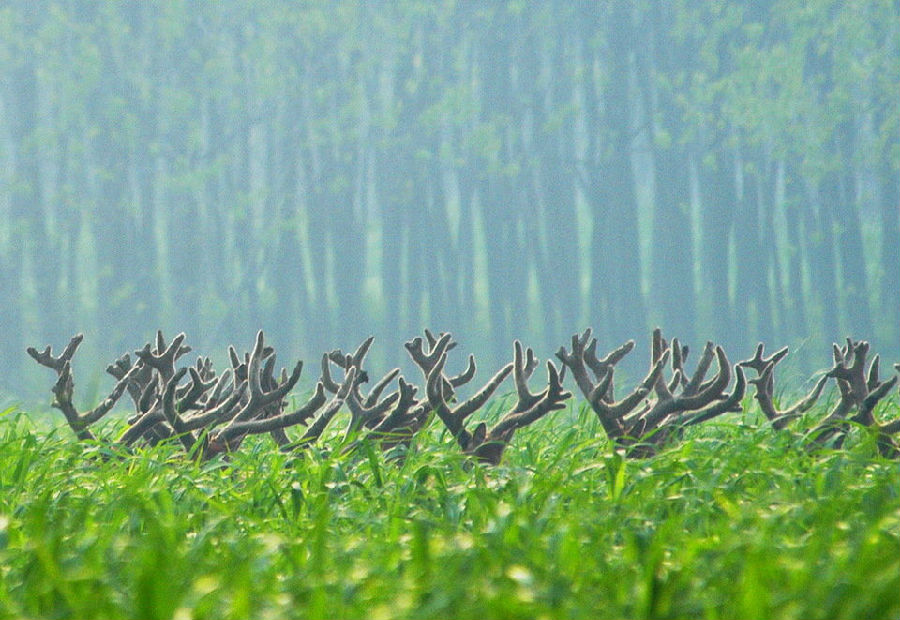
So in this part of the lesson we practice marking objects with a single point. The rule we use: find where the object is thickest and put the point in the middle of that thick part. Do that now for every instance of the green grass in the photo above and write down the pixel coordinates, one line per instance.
(738, 522)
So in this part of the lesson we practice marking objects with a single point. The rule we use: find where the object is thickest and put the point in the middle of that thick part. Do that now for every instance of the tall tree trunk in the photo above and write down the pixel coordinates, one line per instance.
(752, 306)
(561, 295)
(465, 173)
(184, 233)
(499, 191)
(672, 266)
(396, 196)
(466, 246)
(391, 187)
(348, 244)
(795, 204)
(719, 202)
(292, 309)
(340, 173)
(819, 227)
(818, 71)
(319, 322)
(440, 247)
(146, 313)
(889, 186)
(113, 224)
(24, 202)
(854, 281)
(888, 171)
(617, 252)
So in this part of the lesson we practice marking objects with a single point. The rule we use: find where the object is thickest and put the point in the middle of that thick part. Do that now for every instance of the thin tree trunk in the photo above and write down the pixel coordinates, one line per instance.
(558, 279)
(795, 204)
(114, 232)
(718, 199)
(752, 306)
(621, 252)
(25, 201)
(672, 260)
(889, 185)
(498, 195)
(854, 281)
(289, 270)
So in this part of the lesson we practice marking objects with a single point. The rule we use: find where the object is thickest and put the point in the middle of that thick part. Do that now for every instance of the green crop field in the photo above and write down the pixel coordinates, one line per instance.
(738, 521)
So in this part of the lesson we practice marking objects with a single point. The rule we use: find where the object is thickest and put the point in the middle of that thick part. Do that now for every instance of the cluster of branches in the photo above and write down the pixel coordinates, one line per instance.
(212, 413)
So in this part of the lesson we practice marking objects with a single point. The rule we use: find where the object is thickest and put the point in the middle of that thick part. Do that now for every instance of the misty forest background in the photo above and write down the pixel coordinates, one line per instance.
(329, 170)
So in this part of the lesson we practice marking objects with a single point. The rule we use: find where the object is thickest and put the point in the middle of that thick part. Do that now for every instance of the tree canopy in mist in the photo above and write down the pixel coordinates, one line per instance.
(329, 170)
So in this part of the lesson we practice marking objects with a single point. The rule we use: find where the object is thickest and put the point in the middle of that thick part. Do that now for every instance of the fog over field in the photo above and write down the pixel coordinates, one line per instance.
(326, 171)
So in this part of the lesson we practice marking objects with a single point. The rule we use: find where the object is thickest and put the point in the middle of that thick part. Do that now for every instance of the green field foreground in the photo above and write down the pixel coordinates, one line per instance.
(739, 521)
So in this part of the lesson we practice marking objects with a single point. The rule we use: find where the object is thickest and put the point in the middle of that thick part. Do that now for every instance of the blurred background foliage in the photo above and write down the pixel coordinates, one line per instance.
(329, 170)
